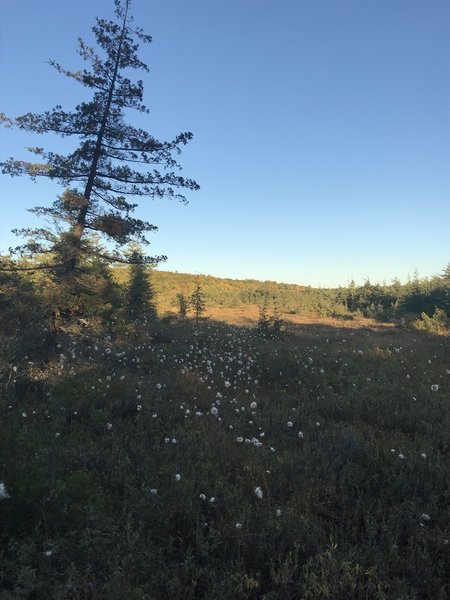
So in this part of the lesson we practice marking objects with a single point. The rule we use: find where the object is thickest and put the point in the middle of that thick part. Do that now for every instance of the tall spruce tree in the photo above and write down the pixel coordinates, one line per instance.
(113, 163)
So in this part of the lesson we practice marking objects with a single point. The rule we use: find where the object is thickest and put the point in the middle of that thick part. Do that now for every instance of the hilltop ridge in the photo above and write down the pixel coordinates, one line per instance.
(391, 302)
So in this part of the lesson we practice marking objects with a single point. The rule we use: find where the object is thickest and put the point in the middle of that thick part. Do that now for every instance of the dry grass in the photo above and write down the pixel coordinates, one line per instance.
(247, 316)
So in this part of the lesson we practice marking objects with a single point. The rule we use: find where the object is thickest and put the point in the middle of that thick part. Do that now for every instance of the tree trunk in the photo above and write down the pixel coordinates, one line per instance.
(78, 230)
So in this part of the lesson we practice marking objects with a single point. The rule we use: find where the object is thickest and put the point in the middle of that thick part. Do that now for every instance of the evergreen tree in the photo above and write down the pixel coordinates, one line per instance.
(111, 165)
(140, 293)
(446, 274)
(183, 305)
(198, 300)
(269, 325)
(264, 319)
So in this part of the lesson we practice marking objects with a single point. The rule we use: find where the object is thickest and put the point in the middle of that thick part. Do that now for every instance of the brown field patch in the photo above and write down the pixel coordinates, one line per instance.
(248, 315)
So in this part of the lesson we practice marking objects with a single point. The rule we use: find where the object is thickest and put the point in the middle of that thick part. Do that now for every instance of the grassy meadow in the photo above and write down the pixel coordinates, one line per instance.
(184, 459)
(165, 436)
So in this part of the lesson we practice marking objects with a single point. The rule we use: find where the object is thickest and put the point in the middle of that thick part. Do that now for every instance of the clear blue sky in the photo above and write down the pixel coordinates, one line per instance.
(321, 130)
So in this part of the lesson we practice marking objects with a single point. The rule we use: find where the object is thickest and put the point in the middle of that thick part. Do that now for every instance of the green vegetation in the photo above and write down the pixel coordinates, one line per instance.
(197, 300)
(110, 163)
(393, 302)
(140, 294)
(149, 452)
(167, 458)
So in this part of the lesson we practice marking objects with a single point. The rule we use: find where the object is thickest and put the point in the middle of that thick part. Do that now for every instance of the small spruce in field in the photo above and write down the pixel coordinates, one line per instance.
(264, 320)
(183, 305)
(268, 325)
(198, 300)
(140, 294)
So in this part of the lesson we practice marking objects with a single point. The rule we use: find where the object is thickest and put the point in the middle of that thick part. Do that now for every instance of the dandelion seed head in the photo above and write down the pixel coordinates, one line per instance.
(3, 492)
(259, 493)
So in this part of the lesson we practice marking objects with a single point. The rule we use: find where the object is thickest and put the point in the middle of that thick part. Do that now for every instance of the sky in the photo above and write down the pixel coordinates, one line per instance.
(321, 130)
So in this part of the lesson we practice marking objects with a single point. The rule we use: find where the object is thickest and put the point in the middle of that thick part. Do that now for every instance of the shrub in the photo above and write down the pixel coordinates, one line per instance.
(438, 323)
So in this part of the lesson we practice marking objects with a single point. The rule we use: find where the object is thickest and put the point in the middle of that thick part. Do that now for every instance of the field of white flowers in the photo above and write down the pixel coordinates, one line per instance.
(184, 460)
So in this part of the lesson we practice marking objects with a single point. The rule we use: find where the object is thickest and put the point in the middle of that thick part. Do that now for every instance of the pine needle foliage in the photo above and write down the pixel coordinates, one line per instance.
(140, 293)
(114, 162)
(198, 300)
(183, 305)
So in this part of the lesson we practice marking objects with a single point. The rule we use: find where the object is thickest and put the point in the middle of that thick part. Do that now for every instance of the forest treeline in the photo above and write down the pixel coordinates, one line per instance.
(136, 292)
(65, 271)
(386, 302)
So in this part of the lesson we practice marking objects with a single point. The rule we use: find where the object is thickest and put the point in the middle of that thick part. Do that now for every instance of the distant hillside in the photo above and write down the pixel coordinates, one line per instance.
(423, 302)
(384, 302)
(230, 293)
